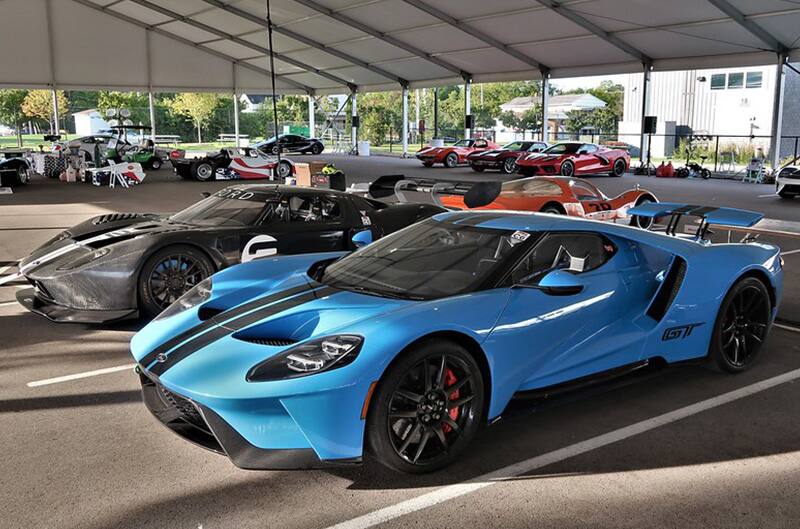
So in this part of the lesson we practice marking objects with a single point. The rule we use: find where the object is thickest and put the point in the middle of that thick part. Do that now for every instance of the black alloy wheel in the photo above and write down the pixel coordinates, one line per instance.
(316, 148)
(168, 275)
(619, 167)
(427, 409)
(567, 168)
(741, 326)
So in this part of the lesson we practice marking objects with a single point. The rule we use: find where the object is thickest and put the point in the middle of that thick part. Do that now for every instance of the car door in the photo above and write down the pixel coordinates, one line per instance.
(301, 223)
(595, 204)
(544, 339)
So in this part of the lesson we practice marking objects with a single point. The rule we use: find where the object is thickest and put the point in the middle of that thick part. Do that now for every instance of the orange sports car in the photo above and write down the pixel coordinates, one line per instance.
(452, 155)
(559, 195)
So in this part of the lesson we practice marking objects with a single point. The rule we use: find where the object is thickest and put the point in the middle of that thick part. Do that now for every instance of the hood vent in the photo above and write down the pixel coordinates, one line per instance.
(273, 342)
(116, 217)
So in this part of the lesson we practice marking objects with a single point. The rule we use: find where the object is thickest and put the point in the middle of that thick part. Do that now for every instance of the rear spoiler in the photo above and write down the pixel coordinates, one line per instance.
(475, 194)
(739, 218)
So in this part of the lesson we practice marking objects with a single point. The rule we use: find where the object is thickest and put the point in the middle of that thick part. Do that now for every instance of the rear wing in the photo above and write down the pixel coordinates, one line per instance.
(738, 218)
(475, 194)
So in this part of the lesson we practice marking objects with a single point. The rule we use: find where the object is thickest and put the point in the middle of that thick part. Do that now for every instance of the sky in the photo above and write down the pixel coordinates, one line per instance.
(584, 82)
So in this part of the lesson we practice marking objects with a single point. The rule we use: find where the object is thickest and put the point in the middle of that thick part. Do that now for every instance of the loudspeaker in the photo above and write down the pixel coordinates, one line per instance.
(469, 121)
(355, 121)
(650, 124)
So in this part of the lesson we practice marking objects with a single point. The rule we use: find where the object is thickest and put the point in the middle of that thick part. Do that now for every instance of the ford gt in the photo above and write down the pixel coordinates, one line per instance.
(404, 349)
(452, 155)
(574, 159)
(121, 265)
(505, 158)
(230, 164)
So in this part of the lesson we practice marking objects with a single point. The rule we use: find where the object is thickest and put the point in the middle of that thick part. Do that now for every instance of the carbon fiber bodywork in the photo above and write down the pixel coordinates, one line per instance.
(90, 273)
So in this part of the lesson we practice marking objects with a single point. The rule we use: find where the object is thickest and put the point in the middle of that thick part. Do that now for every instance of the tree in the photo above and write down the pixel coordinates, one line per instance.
(531, 119)
(577, 120)
(11, 110)
(199, 107)
(39, 104)
(136, 103)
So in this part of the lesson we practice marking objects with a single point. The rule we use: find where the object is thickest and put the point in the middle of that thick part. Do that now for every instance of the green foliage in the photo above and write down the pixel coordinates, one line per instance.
(11, 110)
(38, 104)
(197, 106)
(603, 119)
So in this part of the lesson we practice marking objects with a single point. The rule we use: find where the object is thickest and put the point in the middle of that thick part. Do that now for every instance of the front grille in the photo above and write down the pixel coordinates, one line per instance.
(184, 406)
(274, 342)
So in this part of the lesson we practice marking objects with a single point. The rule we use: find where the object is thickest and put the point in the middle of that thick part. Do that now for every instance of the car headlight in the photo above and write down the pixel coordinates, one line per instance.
(85, 259)
(195, 296)
(315, 356)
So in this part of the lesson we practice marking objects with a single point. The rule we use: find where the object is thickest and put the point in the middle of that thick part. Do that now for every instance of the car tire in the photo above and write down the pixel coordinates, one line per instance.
(161, 267)
(619, 167)
(202, 171)
(509, 166)
(741, 326)
(427, 164)
(155, 164)
(274, 150)
(705, 174)
(640, 222)
(553, 208)
(477, 168)
(451, 160)
(567, 168)
(316, 149)
(420, 436)
(283, 170)
(23, 176)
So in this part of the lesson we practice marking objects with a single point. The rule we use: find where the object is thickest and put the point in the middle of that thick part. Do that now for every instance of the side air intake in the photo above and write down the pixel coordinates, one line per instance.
(668, 290)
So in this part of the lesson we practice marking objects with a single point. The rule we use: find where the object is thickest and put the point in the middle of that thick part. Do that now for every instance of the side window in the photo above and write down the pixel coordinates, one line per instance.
(309, 208)
(584, 191)
(575, 252)
(480, 144)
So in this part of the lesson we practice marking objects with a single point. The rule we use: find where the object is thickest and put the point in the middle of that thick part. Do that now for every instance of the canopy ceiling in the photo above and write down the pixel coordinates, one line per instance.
(330, 46)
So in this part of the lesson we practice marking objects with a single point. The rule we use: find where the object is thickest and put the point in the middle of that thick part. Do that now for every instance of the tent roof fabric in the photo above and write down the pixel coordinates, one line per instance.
(331, 46)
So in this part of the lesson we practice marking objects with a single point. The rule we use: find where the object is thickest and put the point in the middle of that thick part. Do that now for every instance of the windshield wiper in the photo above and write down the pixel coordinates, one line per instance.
(379, 293)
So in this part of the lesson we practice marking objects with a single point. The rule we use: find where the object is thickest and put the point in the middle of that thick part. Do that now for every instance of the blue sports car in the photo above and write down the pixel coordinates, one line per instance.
(405, 348)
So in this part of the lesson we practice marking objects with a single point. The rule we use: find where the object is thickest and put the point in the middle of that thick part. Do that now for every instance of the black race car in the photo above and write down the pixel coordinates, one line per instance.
(119, 265)
(15, 170)
(291, 143)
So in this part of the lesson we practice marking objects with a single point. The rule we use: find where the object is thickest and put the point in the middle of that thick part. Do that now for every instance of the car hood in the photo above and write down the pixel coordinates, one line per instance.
(216, 354)
(95, 234)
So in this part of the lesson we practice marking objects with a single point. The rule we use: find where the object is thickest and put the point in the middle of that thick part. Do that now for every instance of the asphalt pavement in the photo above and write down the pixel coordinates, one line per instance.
(686, 447)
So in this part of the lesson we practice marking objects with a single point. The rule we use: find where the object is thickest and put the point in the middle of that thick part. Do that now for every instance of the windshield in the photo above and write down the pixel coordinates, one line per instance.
(463, 143)
(427, 260)
(225, 208)
(517, 146)
(563, 148)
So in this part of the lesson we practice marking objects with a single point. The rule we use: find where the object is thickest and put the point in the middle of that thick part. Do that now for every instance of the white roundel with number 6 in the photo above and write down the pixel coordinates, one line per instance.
(258, 247)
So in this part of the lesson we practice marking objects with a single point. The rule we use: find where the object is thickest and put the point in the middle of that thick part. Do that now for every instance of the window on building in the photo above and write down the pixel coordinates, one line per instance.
(718, 81)
(736, 80)
(754, 79)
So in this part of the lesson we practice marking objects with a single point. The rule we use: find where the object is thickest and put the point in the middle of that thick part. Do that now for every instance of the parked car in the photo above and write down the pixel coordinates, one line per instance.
(92, 145)
(15, 169)
(787, 184)
(230, 164)
(452, 155)
(554, 194)
(574, 159)
(504, 158)
(119, 265)
(319, 360)
(291, 143)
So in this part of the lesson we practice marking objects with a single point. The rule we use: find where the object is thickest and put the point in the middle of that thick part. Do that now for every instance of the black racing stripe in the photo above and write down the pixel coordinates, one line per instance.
(175, 341)
(215, 334)
(703, 211)
(478, 218)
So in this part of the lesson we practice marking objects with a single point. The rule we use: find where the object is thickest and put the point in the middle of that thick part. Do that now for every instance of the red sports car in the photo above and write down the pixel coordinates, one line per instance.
(574, 158)
(559, 195)
(505, 158)
(452, 155)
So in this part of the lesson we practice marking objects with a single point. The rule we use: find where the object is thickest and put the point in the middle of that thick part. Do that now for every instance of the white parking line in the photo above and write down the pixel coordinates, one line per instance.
(786, 327)
(76, 376)
(7, 303)
(790, 252)
(487, 480)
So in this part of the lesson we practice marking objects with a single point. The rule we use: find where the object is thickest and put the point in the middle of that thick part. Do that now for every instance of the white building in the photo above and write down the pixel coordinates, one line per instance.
(728, 102)
(89, 122)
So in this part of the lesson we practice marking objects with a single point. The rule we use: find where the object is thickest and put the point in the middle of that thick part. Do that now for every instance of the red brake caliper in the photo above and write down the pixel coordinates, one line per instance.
(449, 380)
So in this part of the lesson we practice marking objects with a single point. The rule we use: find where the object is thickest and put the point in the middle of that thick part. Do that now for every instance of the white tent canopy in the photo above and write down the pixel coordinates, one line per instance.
(333, 46)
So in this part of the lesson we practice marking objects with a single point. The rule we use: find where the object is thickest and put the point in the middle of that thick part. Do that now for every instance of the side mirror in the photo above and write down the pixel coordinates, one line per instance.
(560, 283)
(205, 194)
(362, 238)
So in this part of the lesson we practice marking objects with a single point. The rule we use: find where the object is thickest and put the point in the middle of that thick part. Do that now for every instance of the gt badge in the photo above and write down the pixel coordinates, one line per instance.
(679, 333)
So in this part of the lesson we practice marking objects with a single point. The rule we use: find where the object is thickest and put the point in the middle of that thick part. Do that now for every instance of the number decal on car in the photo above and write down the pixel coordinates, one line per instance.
(258, 247)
